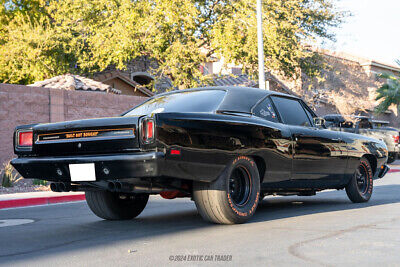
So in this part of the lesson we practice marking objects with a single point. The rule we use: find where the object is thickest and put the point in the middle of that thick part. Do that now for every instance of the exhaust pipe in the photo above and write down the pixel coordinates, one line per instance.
(119, 187)
(123, 187)
(64, 187)
(54, 187)
(67, 187)
(111, 186)
(60, 187)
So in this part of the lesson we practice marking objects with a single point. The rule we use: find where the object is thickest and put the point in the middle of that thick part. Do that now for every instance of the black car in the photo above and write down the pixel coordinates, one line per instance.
(225, 147)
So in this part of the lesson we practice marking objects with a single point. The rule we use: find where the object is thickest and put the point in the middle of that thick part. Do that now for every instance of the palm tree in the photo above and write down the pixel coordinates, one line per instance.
(389, 92)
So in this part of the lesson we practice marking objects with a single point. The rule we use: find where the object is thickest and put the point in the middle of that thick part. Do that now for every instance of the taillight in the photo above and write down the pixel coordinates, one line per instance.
(25, 138)
(396, 138)
(147, 130)
(175, 152)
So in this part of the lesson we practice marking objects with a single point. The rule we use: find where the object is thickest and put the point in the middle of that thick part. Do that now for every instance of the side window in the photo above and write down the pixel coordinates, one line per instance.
(291, 111)
(310, 115)
(265, 110)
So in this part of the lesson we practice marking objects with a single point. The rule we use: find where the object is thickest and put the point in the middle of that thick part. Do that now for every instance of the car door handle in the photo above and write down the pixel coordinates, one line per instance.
(337, 139)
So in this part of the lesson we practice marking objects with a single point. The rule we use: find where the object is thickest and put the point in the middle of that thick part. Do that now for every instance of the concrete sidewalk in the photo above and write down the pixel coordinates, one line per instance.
(38, 198)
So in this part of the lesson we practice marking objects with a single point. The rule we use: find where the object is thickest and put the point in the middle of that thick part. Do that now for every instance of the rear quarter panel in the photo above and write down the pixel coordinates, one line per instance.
(209, 142)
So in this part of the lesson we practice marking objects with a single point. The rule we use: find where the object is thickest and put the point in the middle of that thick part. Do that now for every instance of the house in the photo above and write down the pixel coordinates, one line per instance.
(347, 84)
(135, 79)
(128, 83)
(115, 82)
(75, 82)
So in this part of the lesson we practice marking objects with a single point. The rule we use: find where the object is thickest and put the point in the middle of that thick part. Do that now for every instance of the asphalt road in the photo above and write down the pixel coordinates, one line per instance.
(321, 230)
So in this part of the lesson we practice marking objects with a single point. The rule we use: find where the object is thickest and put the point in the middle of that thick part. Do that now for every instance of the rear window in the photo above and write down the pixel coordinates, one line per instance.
(193, 101)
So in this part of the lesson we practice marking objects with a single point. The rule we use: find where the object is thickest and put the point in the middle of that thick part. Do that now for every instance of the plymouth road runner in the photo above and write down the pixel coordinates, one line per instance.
(224, 147)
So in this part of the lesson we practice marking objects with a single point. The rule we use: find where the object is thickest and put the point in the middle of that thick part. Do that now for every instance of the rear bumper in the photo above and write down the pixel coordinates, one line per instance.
(381, 172)
(120, 166)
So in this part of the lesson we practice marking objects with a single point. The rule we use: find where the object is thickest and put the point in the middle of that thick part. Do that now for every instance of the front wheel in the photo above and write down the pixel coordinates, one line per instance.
(361, 184)
(233, 197)
(114, 206)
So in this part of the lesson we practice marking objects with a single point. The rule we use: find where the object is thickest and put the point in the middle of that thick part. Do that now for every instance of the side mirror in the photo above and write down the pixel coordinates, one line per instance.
(319, 122)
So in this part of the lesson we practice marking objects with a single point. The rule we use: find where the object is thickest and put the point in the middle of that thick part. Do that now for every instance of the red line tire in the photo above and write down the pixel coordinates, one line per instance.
(233, 197)
(361, 184)
(113, 206)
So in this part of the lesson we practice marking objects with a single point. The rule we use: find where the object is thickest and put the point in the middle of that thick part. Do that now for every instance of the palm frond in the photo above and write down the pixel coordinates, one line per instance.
(383, 106)
(389, 92)
(386, 75)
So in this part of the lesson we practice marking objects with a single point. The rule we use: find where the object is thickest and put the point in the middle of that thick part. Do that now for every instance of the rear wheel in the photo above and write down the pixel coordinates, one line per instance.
(114, 206)
(233, 197)
(361, 184)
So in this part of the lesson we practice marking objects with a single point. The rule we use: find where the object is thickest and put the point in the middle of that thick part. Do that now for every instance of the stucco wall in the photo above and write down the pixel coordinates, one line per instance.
(26, 105)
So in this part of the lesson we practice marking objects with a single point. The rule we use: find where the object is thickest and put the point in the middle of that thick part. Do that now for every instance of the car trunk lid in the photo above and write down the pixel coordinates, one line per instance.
(92, 136)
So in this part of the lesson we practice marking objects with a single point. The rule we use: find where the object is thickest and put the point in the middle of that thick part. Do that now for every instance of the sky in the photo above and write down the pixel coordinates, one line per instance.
(373, 30)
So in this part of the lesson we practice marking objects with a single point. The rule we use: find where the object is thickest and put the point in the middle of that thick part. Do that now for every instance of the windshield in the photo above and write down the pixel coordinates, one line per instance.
(192, 101)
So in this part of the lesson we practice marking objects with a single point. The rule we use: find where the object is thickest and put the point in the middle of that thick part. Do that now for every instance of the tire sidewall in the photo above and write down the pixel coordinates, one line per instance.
(245, 211)
(370, 182)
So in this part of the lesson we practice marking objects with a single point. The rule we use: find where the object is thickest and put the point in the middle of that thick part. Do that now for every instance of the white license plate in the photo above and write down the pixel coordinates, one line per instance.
(82, 172)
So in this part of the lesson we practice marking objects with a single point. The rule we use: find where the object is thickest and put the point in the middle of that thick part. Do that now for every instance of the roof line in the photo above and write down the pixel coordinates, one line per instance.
(382, 65)
(116, 74)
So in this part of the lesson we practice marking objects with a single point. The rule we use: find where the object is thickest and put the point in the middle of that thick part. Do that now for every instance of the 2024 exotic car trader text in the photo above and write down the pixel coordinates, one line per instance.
(224, 147)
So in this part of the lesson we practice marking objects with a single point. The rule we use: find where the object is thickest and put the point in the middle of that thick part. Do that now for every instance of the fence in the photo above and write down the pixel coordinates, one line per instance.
(21, 104)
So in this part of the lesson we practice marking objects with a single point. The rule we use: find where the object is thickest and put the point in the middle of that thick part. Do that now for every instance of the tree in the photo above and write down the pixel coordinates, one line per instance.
(43, 38)
(388, 93)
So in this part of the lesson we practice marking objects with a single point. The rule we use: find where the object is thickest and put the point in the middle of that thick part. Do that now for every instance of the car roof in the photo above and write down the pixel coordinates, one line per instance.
(237, 99)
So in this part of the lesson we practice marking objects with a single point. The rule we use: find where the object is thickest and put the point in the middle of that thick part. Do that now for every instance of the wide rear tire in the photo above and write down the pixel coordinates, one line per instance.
(361, 184)
(233, 197)
(114, 206)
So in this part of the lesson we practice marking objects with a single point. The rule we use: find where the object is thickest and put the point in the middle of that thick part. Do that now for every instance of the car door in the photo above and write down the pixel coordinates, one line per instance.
(318, 154)
(278, 143)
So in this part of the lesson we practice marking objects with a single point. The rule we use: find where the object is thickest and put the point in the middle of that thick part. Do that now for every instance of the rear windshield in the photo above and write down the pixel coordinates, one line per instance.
(193, 101)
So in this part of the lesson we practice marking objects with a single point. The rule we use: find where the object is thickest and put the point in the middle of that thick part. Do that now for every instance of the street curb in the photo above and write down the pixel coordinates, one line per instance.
(25, 202)
(393, 170)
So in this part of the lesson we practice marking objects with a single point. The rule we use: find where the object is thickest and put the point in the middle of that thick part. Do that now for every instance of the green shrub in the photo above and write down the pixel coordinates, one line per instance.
(39, 182)
(9, 176)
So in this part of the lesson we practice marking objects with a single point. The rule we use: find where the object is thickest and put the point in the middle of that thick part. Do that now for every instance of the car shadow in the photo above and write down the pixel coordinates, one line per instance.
(330, 201)
(182, 217)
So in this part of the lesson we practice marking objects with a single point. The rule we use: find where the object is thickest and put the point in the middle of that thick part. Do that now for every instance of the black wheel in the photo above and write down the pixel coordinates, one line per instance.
(115, 206)
(391, 158)
(361, 184)
(233, 197)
